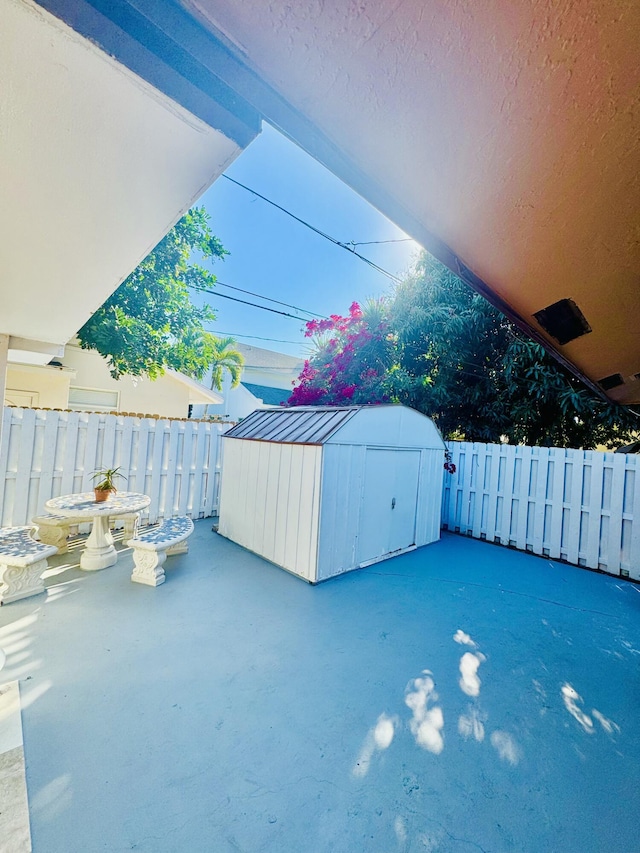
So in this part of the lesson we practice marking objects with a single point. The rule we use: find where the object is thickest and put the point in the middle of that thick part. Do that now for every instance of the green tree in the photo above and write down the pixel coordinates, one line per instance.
(150, 323)
(466, 364)
(223, 357)
(441, 348)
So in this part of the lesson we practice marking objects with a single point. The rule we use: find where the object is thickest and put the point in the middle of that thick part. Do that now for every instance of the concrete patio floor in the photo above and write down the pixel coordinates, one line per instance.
(463, 697)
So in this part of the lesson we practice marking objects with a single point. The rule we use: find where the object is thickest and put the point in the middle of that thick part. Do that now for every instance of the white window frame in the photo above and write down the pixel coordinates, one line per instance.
(93, 407)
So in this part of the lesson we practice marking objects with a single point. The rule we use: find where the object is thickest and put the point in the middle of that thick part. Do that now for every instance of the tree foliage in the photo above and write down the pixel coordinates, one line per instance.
(484, 380)
(447, 352)
(225, 357)
(150, 323)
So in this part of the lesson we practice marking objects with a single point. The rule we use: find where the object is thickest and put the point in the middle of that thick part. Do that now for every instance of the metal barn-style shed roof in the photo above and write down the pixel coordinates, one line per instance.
(297, 425)
(391, 424)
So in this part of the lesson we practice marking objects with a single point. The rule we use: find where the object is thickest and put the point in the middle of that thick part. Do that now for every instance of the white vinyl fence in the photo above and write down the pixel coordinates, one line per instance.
(581, 506)
(575, 505)
(49, 453)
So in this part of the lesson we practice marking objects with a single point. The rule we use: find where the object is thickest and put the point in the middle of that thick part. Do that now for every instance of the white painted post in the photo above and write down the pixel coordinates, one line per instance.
(574, 508)
(614, 547)
(503, 531)
(559, 456)
(4, 352)
(634, 500)
(592, 555)
(479, 457)
(539, 497)
(493, 455)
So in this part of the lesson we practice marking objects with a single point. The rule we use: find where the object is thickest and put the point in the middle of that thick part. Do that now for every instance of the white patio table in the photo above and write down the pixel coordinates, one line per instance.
(99, 551)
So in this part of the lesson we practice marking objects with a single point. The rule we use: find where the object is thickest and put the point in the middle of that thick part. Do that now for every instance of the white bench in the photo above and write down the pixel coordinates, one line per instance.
(151, 548)
(54, 529)
(22, 562)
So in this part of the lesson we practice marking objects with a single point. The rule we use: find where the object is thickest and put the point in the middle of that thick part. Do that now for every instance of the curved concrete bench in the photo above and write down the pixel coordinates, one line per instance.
(151, 548)
(22, 562)
(54, 529)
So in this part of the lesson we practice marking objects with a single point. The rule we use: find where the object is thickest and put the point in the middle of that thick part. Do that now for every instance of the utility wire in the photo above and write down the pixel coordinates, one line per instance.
(269, 299)
(245, 302)
(331, 239)
(252, 337)
(379, 242)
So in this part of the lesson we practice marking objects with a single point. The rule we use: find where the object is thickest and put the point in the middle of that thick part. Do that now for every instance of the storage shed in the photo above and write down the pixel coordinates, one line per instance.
(321, 491)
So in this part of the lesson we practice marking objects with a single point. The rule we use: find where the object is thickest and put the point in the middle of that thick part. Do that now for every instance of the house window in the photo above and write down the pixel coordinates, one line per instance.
(93, 400)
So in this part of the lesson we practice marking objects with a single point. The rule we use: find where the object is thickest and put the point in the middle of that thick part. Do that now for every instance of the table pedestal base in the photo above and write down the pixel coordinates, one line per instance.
(99, 552)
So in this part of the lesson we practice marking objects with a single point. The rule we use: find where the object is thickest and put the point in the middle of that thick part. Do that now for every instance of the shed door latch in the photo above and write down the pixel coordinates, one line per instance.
(393, 503)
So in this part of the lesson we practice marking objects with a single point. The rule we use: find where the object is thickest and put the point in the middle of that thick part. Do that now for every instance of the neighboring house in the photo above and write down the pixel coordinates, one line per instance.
(80, 380)
(267, 380)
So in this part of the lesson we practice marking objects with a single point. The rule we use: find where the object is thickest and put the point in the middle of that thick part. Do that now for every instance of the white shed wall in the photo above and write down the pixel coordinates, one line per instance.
(429, 497)
(343, 481)
(389, 426)
(270, 499)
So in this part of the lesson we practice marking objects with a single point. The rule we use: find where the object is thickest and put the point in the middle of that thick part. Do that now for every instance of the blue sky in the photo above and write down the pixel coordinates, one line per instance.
(272, 254)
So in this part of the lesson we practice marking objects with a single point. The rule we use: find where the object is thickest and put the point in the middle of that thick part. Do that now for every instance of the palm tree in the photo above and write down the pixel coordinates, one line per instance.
(224, 356)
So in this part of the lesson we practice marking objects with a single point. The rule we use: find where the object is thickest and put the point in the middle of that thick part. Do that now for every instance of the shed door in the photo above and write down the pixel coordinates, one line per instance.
(389, 502)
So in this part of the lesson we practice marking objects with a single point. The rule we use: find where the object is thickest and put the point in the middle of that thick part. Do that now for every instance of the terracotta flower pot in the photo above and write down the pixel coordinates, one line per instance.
(103, 494)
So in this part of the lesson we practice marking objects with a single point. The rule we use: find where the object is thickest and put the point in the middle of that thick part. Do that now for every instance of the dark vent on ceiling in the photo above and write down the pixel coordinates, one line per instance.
(563, 320)
(610, 382)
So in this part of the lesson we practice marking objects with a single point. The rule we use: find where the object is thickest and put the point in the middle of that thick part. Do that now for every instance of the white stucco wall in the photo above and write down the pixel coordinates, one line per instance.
(164, 396)
(48, 387)
(276, 378)
(86, 375)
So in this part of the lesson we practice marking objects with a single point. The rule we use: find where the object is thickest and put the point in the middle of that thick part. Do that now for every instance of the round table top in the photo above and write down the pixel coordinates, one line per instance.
(84, 503)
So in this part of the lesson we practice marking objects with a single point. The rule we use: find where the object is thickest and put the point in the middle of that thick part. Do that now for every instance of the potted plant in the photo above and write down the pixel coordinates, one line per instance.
(105, 485)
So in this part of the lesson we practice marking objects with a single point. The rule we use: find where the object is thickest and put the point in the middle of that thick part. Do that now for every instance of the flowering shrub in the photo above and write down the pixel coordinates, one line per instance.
(353, 357)
(449, 465)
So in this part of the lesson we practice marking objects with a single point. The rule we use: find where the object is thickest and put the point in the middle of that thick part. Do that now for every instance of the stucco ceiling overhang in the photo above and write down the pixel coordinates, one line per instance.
(502, 135)
(96, 164)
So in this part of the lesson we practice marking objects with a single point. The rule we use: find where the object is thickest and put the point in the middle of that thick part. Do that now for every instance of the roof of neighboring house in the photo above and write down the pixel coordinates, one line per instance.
(269, 396)
(198, 393)
(258, 357)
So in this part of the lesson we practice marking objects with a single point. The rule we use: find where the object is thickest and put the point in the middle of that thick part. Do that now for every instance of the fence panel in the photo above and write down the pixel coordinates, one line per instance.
(49, 453)
(575, 505)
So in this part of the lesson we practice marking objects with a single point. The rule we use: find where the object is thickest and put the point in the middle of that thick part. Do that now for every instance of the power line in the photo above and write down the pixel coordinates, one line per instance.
(245, 302)
(379, 242)
(252, 337)
(269, 299)
(331, 239)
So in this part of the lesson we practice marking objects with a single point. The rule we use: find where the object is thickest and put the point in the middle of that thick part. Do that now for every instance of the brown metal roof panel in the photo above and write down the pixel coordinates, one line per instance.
(291, 426)
(250, 424)
(296, 426)
(321, 426)
(324, 427)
